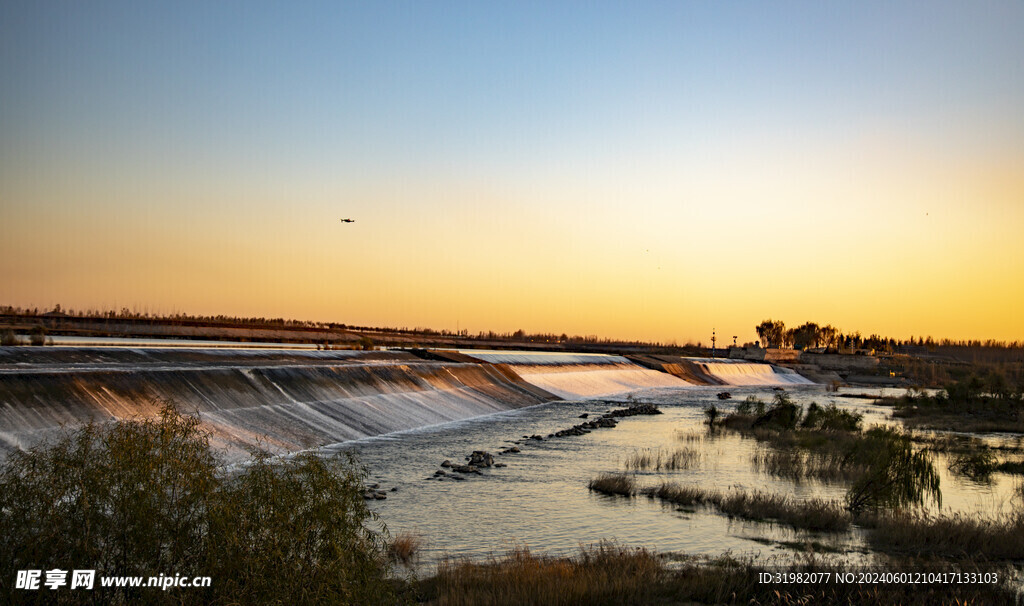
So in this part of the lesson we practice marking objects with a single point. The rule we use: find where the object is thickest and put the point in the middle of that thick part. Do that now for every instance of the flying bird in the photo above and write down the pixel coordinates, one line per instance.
(348, 220)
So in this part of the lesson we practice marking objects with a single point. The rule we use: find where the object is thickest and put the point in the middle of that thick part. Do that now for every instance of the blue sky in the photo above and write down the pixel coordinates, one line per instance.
(613, 128)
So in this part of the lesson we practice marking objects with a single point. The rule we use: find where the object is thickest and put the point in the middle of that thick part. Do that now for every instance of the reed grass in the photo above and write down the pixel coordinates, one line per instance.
(405, 547)
(812, 514)
(611, 574)
(614, 484)
(953, 537)
(605, 574)
(660, 459)
(680, 495)
(690, 437)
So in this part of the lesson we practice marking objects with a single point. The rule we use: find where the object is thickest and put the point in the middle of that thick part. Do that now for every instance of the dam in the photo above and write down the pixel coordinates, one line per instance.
(288, 400)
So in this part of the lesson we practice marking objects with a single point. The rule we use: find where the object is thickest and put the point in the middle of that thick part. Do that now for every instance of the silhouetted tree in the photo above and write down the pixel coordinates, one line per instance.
(772, 333)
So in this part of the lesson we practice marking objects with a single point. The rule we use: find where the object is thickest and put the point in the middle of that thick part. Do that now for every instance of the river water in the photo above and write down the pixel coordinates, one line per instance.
(541, 500)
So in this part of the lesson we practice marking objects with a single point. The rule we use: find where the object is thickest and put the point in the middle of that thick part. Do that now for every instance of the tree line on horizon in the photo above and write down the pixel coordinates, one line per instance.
(772, 334)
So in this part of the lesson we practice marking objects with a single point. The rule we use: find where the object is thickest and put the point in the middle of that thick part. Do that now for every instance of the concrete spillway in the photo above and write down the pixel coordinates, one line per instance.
(574, 376)
(294, 399)
(750, 373)
(283, 403)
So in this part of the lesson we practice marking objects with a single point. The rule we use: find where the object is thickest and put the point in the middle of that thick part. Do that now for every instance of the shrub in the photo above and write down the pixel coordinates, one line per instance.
(751, 406)
(1016, 467)
(783, 414)
(958, 536)
(144, 497)
(38, 335)
(293, 531)
(831, 418)
(125, 499)
(9, 339)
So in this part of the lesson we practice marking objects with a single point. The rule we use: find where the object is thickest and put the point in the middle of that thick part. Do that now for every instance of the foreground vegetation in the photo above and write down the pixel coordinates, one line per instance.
(146, 497)
(612, 574)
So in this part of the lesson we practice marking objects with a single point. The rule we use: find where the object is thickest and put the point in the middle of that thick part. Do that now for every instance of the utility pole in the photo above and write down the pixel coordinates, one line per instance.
(712, 343)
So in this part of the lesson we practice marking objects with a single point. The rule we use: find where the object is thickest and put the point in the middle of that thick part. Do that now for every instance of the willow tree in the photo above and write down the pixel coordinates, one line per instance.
(897, 476)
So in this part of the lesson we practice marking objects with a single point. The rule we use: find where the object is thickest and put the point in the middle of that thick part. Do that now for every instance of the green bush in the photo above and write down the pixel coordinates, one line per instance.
(145, 497)
(751, 406)
(297, 524)
(783, 414)
(831, 418)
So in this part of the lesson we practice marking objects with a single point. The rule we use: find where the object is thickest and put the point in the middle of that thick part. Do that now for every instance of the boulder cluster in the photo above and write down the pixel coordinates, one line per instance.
(606, 420)
(474, 463)
(582, 428)
(375, 492)
(636, 409)
(480, 459)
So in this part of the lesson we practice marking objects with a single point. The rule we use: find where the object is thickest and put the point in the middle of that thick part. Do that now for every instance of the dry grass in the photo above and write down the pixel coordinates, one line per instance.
(606, 574)
(813, 514)
(691, 437)
(610, 574)
(680, 495)
(955, 537)
(659, 460)
(614, 484)
(405, 548)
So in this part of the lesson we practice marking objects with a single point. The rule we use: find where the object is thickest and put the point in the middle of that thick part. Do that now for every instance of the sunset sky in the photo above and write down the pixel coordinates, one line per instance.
(633, 170)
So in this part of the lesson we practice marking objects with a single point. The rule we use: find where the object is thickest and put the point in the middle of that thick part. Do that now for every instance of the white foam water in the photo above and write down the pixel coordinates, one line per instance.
(575, 376)
(751, 373)
(287, 401)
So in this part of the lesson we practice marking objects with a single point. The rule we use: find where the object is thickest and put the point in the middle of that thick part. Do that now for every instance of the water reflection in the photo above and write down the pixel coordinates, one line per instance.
(541, 498)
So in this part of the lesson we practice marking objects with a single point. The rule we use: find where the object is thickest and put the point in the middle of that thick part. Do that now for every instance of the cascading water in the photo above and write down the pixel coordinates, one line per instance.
(576, 376)
(284, 404)
(289, 400)
(750, 373)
